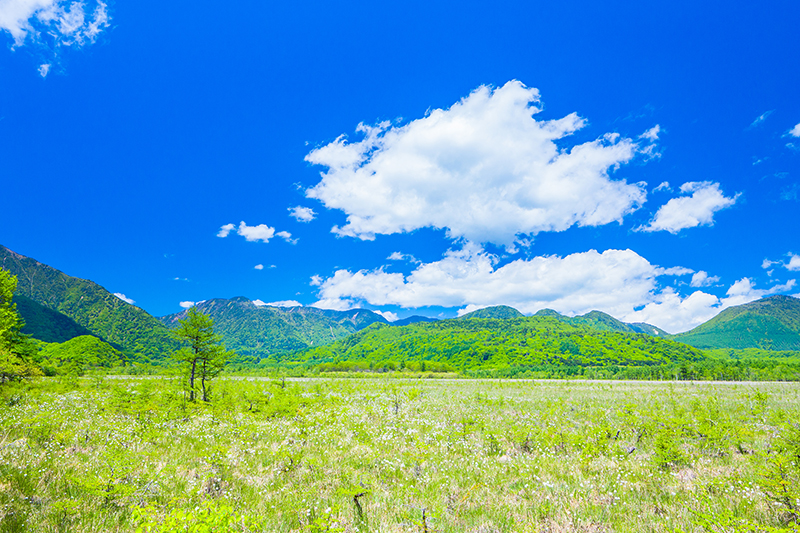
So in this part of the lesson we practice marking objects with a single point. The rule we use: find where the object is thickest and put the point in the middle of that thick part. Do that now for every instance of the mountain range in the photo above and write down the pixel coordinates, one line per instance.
(266, 331)
(57, 307)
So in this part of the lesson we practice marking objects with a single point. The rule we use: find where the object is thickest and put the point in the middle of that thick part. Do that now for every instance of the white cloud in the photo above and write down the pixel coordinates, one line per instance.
(795, 132)
(767, 263)
(124, 298)
(259, 267)
(303, 214)
(261, 232)
(702, 279)
(286, 236)
(618, 282)
(186, 305)
(794, 262)
(388, 315)
(50, 26)
(484, 170)
(613, 281)
(225, 230)
(690, 211)
(281, 303)
(663, 186)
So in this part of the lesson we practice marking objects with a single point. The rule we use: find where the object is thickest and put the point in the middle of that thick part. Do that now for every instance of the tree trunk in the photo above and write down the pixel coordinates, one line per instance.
(203, 380)
(191, 380)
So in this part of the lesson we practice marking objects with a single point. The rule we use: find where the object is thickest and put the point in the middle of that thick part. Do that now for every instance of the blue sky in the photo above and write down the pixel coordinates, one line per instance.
(640, 158)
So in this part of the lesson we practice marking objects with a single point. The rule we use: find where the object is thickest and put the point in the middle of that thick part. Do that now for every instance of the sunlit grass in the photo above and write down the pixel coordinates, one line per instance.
(393, 455)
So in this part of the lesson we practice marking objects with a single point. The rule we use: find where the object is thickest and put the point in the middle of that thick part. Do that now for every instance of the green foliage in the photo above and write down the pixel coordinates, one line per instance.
(496, 344)
(16, 349)
(204, 357)
(79, 355)
(208, 517)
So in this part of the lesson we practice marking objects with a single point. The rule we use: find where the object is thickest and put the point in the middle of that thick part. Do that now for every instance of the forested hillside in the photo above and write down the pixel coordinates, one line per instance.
(78, 355)
(90, 306)
(45, 324)
(497, 343)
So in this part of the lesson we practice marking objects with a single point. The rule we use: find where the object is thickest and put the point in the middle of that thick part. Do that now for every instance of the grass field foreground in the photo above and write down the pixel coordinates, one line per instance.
(347, 455)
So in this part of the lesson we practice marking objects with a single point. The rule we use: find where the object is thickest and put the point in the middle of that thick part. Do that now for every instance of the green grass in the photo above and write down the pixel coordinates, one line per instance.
(394, 455)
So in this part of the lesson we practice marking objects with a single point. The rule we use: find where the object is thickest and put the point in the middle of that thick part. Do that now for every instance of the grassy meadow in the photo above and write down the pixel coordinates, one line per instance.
(392, 455)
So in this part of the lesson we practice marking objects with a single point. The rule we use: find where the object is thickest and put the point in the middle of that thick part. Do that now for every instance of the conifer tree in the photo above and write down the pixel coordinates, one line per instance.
(204, 357)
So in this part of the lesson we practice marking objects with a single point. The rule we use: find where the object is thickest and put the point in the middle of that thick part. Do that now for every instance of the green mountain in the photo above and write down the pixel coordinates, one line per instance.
(79, 354)
(771, 323)
(46, 325)
(264, 331)
(498, 311)
(90, 306)
(487, 343)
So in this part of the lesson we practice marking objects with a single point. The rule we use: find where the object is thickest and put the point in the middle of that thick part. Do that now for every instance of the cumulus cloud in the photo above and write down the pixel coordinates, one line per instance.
(259, 267)
(484, 170)
(613, 281)
(691, 211)
(261, 232)
(702, 279)
(618, 282)
(795, 132)
(303, 214)
(663, 186)
(124, 298)
(186, 305)
(48, 27)
(281, 303)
